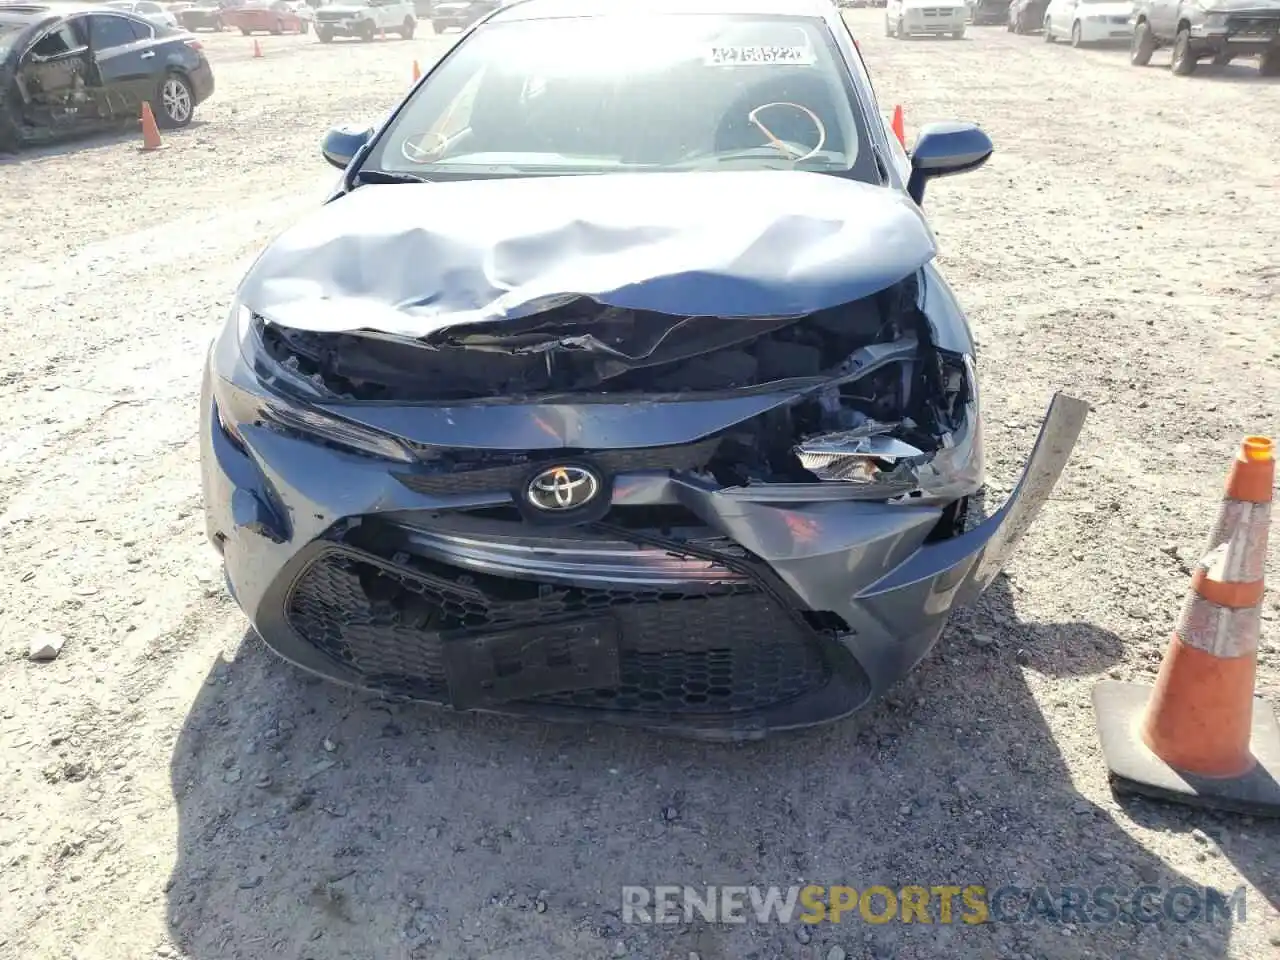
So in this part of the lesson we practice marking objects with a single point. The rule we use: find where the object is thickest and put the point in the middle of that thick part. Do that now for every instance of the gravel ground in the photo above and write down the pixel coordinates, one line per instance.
(168, 788)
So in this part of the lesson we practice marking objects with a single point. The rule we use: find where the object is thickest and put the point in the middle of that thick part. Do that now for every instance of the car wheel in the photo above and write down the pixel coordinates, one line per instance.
(1269, 63)
(437, 27)
(958, 35)
(407, 28)
(1183, 63)
(1142, 45)
(218, 26)
(174, 104)
(900, 31)
(277, 28)
(304, 27)
(244, 31)
(1048, 34)
(367, 31)
(1076, 39)
(324, 36)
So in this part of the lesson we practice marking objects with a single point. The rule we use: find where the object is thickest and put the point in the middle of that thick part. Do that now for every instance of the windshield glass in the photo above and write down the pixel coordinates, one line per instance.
(621, 93)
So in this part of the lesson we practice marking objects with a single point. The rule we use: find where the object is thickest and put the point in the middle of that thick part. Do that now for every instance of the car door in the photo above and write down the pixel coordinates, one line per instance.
(1064, 17)
(125, 62)
(1053, 18)
(53, 78)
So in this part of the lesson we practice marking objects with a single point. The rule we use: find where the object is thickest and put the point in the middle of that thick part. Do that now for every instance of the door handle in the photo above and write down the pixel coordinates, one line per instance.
(147, 56)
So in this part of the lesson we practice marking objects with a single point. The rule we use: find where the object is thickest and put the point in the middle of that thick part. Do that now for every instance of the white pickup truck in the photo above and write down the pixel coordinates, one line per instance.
(365, 19)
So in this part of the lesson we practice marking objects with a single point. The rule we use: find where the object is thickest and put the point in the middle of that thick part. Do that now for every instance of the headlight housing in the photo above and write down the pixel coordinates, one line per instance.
(286, 401)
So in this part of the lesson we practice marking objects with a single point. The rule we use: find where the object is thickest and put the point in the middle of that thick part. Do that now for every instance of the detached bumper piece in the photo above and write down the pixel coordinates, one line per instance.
(715, 657)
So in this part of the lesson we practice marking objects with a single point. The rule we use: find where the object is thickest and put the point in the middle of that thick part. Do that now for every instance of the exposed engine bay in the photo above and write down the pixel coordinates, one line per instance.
(873, 395)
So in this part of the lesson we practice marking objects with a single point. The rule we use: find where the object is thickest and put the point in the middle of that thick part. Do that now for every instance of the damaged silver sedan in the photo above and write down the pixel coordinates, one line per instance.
(615, 381)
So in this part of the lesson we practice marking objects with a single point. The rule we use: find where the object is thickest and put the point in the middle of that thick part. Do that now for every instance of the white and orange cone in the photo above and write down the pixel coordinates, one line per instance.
(1196, 736)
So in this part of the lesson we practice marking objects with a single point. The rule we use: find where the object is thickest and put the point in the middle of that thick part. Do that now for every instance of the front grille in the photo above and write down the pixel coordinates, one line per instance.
(704, 649)
(1254, 26)
(487, 473)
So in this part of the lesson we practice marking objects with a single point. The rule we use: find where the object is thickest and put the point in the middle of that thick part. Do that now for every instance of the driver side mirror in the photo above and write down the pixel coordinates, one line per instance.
(341, 144)
(943, 150)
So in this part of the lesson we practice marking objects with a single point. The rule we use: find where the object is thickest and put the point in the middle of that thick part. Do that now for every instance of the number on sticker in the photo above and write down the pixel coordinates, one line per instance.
(738, 56)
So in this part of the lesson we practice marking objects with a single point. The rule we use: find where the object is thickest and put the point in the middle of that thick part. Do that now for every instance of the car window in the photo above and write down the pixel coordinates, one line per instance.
(61, 39)
(106, 31)
(652, 92)
(148, 8)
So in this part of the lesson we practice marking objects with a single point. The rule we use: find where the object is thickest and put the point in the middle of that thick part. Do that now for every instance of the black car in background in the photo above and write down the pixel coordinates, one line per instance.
(68, 70)
(206, 14)
(1026, 16)
(460, 14)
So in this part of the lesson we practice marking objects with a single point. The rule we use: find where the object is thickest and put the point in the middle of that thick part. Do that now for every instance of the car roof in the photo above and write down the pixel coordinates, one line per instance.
(551, 9)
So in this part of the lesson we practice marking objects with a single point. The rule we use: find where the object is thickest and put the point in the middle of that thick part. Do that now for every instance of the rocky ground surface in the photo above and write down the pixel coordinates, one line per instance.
(169, 789)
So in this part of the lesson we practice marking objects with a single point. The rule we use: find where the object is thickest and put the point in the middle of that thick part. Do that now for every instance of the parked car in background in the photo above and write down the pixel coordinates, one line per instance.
(76, 70)
(1026, 16)
(933, 18)
(366, 19)
(1088, 21)
(206, 14)
(146, 9)
(1217, 30)
(265, 16)
(460, 14)
(987, 12)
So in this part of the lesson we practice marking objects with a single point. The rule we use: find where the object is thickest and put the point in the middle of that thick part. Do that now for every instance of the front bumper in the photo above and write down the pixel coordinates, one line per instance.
(933, 25)
(343, 28)
(778, 614)
(1113, 29)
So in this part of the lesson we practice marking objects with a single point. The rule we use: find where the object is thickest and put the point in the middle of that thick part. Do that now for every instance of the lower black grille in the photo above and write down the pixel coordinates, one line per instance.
(708, 649)
(1260, 27)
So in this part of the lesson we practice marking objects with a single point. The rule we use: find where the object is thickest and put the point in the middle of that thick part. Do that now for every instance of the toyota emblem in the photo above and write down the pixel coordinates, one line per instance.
(557, 489)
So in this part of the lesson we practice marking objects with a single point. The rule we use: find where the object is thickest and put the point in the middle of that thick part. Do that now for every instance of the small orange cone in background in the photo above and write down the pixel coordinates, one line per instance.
(417, 72)
(1198, 737)
(899, 130)
(257, 50)
(150, 132)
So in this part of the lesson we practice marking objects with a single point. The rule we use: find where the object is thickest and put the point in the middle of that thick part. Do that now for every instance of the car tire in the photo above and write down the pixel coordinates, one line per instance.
(958, 35)
(324, 36)
(304, 28)
(245, 32)
(1143, 44)
(367, 31)
(277, 28)
(407, 28)
(1048, 34)
(175, 103)
(218, 26)
(1183, 62)
(1077, 35)
(437, 27)
(1269, 63)
(900, 31)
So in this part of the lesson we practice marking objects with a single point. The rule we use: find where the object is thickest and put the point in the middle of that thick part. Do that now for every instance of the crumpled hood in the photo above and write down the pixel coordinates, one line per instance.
(413, 259)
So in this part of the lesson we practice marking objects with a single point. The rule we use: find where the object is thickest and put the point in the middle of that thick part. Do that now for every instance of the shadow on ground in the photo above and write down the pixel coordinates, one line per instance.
(320, 823)
(91, 141)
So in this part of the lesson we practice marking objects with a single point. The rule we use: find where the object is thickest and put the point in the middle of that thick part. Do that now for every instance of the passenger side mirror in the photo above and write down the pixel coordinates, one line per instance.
(342, 143)
(945, 149)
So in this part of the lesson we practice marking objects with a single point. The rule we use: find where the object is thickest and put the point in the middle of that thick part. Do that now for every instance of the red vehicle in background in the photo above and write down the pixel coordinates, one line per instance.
(262, 16)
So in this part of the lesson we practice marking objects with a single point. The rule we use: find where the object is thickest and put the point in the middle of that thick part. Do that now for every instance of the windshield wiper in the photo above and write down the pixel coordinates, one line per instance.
(382, 176)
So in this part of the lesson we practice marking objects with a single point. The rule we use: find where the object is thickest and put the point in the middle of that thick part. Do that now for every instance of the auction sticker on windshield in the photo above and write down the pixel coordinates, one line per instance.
(742, 56)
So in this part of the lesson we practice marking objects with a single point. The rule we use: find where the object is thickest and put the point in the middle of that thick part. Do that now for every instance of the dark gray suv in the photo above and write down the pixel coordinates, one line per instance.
(1217, 30)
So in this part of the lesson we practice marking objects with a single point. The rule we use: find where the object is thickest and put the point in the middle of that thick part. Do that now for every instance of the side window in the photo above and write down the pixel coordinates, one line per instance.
(106, 31)
(61, 39)
(147, 8)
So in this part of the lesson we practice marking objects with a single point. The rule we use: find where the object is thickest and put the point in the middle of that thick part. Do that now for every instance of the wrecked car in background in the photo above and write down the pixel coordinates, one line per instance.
(685, 442)
(67, 70)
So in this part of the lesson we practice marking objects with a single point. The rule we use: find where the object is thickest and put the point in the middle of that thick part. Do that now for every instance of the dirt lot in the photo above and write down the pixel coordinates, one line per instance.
(168, 788)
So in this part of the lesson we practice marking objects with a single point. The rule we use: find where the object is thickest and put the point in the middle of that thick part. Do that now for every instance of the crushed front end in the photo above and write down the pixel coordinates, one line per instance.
(599, 507)
(763, 535)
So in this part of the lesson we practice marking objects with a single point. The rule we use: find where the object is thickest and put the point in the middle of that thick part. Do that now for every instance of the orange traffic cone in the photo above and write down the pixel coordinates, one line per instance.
(1198, 737)
(417, 72)
(899, 130)
(150, 132)
(257, 50)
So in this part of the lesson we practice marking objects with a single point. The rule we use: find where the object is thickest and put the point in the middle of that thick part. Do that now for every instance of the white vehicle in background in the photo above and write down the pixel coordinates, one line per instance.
(1088, 21)
(146, 9)
(366, 19)
(932, 18)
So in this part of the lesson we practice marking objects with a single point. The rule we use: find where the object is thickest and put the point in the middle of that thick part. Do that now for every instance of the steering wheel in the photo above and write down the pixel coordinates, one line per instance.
(413, 149)
(792, 151)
